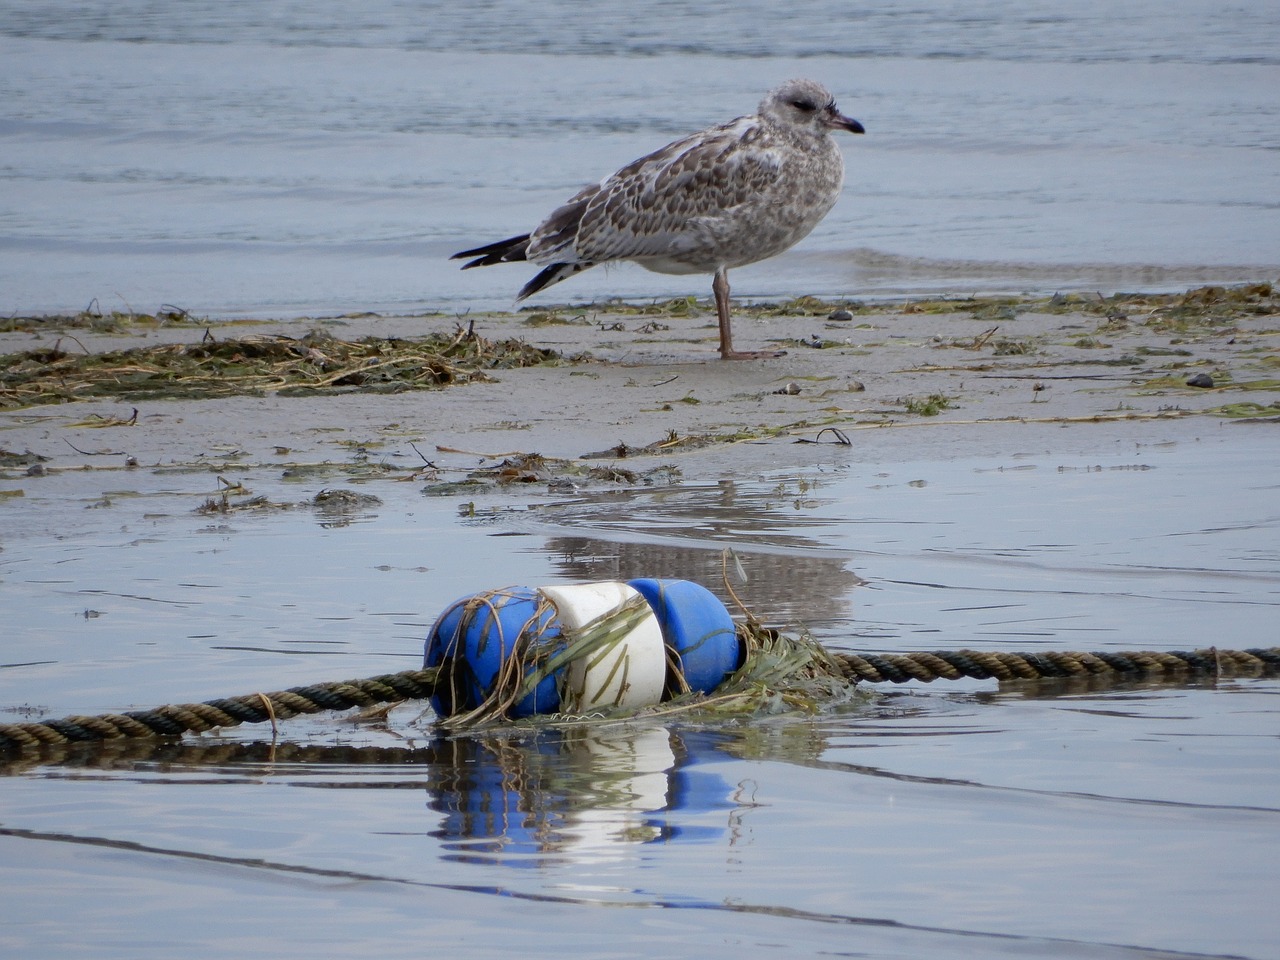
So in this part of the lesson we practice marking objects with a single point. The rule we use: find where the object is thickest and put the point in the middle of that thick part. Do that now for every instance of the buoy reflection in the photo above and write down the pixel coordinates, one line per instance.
(585, 794)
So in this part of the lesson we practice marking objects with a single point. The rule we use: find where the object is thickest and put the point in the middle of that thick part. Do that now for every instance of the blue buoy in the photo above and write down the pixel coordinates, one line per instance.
(697, 626)
(612, 643)
(478, 634)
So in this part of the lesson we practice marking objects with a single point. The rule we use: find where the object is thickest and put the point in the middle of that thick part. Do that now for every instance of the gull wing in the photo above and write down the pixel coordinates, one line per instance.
(664, 205)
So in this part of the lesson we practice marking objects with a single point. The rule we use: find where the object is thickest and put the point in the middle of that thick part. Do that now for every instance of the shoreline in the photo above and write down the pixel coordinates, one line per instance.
(640, 385)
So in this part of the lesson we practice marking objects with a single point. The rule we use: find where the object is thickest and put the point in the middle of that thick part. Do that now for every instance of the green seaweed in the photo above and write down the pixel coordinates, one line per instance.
(253, 366)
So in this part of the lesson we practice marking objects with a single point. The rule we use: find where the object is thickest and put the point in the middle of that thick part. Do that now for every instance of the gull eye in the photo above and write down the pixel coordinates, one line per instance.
(804, 106)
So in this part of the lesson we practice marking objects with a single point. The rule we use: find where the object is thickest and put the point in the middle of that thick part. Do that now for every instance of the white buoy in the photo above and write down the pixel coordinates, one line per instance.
(630, 671)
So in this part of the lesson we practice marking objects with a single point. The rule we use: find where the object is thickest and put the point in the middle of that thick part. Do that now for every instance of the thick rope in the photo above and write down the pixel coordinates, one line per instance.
(175, 720)
(979, 665)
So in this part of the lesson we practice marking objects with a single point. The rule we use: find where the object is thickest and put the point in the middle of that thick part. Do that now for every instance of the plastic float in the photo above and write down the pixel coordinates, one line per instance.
(629, 671)
(579, 648)
(697, 628)
(479, 636)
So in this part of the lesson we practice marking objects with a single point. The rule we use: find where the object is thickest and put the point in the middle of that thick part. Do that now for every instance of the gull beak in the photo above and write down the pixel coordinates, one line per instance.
(836, 120)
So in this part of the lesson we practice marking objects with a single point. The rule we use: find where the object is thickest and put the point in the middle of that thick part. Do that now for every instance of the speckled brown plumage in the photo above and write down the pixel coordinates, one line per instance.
(730, 195)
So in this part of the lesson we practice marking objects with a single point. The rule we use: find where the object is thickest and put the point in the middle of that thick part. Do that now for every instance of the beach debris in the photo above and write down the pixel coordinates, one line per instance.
(837, 437)
(315, 363)
(929, 406)
(25, 459)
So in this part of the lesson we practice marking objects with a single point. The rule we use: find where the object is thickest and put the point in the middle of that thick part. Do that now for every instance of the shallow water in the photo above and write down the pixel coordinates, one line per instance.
(242, 158)
(958, 818)
(231, 158)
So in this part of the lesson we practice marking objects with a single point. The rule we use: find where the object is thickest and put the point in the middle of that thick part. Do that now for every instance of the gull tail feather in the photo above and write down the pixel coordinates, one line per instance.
(510, 250)
(550, 276)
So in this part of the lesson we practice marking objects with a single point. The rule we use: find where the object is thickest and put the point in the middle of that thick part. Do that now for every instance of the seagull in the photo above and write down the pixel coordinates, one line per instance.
(733, 194)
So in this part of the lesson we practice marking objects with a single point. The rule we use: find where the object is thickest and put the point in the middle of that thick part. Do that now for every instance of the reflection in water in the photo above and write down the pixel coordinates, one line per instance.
(781, 587)
(579, 795)
(212, 756)
(791, 577)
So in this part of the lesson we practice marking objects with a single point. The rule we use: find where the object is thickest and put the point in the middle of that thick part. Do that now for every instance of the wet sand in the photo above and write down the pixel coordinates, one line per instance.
(639, 389)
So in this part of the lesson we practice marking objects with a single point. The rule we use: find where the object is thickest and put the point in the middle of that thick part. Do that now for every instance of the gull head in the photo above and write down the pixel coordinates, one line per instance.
(806, 105)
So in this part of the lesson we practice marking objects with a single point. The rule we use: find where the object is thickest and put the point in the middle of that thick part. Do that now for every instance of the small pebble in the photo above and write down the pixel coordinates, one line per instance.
(842, 315)
(1200, 380)
(36, 470)
(791, 389)
(856, 386)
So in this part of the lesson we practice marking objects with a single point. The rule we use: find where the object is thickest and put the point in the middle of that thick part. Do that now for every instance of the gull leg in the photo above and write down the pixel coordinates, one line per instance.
(720, 287)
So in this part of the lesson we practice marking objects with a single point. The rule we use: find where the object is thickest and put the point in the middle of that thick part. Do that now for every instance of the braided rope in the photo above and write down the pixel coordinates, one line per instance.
(979, 665)
(176, 719)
